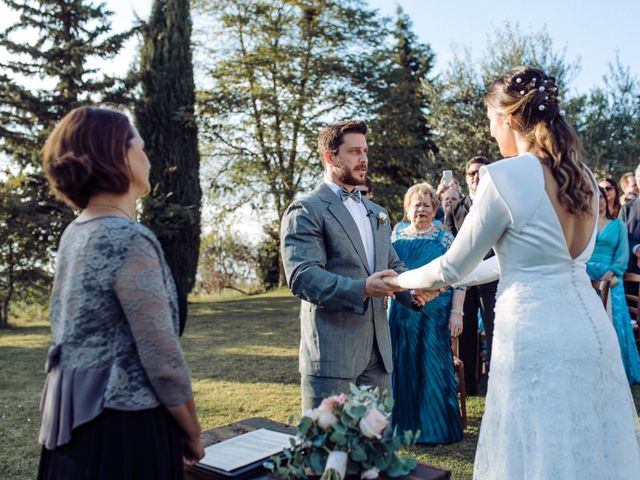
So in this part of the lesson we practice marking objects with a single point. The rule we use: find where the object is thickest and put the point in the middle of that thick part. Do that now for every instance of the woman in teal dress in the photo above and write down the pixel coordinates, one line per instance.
(424, 384)
(609, 261)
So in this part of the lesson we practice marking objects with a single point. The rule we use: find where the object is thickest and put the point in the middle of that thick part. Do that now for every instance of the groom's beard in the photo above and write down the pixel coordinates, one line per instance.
(347, 176)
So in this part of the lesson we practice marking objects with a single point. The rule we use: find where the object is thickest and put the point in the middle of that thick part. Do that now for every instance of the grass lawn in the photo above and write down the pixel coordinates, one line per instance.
(242, 352)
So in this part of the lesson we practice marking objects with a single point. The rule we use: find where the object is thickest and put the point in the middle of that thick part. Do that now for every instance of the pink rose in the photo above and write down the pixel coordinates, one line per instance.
(373, 423)
(326, 420)
(330, 402)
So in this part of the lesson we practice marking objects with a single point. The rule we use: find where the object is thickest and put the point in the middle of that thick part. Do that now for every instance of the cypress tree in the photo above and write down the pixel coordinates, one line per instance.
(166, 121)
(41, 79)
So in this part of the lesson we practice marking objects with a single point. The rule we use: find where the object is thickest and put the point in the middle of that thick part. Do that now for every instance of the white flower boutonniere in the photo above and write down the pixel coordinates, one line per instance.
(382, 218)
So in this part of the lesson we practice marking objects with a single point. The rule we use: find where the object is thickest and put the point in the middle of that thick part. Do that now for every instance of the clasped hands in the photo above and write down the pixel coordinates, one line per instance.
(385, 283)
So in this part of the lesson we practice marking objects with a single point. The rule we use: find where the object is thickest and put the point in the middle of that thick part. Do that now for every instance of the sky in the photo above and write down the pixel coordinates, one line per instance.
(592, 31)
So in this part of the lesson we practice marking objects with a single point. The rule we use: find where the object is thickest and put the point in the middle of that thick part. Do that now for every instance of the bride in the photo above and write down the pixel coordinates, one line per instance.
(558, 404)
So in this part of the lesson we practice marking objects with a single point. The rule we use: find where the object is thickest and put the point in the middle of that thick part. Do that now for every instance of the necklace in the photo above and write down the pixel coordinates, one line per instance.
(421, 232)
(108, 205)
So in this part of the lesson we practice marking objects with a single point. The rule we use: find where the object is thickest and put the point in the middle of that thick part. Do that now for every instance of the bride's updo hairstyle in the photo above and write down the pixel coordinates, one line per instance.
(530, 99)
(85, 154)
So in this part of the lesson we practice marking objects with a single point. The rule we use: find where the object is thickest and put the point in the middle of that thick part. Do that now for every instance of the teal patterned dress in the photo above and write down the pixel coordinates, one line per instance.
(424, 385)
(611, 253)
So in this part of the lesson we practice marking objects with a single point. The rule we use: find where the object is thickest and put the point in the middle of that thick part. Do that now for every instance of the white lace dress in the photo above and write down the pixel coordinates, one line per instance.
(558, 404)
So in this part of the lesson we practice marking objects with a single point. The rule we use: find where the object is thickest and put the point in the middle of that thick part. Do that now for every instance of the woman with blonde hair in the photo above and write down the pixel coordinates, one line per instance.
(424, 387)
(558, 403)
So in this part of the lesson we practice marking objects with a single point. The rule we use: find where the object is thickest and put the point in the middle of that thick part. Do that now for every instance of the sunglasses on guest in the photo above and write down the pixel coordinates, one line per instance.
(365, 192)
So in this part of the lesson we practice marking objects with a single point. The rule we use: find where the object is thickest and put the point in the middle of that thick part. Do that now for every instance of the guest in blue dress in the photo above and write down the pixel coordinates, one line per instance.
(424, 384)
(609, 262)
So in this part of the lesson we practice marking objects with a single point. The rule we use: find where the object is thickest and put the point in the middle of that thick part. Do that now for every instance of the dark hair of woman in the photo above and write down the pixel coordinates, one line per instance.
(616, 198)
(607, 213)
(85, 154)
(530, 99)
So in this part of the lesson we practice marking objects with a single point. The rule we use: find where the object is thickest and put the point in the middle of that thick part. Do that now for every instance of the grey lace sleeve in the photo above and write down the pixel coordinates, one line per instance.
(140, 288)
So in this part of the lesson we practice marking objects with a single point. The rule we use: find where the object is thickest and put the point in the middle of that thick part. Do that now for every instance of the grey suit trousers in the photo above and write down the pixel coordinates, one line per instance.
(316, 388)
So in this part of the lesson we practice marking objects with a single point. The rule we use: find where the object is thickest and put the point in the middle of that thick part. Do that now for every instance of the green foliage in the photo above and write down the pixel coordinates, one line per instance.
(458, 112)
(225, 262)
(165, 117)
(609, 123)
(63, 37)
(24, 275)
(400, 139)
(337, 425)
(278, 71)
(268, 258)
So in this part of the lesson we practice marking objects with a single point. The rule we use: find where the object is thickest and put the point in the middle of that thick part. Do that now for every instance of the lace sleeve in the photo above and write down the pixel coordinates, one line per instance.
(140, 288)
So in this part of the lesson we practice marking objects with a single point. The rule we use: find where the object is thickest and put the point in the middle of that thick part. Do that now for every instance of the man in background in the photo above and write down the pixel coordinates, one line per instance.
(479, 299)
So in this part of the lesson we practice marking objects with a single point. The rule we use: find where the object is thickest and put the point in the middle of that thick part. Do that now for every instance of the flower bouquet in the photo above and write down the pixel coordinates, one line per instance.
(347, 435)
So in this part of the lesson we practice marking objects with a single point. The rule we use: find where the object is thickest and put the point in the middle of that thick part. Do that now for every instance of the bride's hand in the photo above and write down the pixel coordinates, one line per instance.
(392, 281)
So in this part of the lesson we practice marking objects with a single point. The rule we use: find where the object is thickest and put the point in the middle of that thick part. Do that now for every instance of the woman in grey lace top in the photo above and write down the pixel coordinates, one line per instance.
(117, 401)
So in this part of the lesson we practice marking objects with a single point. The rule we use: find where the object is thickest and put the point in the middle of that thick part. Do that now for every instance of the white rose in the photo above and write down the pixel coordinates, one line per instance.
(326, 419)
(312, 413)
(373, 423)
(370, 474)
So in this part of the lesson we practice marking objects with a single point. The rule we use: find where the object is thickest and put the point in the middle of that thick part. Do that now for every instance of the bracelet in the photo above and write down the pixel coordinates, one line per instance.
(457, 312)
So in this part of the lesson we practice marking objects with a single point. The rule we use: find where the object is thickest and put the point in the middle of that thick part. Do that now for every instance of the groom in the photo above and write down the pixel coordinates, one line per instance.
(336, 248)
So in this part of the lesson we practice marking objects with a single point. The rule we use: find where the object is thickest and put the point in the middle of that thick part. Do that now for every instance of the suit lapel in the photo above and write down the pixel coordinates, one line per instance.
(378, 236)
(344, 218)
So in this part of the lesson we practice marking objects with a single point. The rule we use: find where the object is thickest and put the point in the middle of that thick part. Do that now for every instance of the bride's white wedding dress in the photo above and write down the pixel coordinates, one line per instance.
(558, 405)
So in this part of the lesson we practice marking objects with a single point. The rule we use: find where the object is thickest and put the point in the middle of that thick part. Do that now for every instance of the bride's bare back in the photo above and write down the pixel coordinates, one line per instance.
(576, 229)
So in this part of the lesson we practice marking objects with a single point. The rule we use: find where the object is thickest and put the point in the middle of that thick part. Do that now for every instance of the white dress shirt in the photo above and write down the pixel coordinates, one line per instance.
(360, 216)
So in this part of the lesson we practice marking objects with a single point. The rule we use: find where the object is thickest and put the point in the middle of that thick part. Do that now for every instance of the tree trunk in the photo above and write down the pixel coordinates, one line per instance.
(4, 315)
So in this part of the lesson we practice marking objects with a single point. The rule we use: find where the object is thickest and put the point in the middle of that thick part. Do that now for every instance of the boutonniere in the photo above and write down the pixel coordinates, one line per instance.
(381, 218)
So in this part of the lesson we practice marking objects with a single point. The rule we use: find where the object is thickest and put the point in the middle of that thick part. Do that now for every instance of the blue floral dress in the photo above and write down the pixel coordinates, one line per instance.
(424, 385)
(611, 253)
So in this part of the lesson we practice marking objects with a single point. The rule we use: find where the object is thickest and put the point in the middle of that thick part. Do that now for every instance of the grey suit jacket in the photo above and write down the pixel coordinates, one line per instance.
(326, 267)
(630, 215)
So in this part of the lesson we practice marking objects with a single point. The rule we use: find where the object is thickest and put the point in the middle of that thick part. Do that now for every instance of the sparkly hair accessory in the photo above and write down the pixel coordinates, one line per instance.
(518, 80)
(541, 107)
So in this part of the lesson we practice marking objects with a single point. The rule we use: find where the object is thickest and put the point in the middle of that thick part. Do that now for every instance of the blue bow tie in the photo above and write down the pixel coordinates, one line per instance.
(353, 194)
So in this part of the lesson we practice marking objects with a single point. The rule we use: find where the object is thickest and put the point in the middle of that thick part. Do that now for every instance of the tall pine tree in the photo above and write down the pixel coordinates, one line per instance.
(44, 74)
(401, 144)
(166, 120)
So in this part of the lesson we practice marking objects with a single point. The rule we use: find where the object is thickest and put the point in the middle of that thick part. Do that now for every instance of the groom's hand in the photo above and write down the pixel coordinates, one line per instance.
(376, 286)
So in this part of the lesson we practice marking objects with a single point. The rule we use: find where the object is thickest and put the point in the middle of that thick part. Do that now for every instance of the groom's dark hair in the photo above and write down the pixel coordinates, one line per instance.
(330, 137)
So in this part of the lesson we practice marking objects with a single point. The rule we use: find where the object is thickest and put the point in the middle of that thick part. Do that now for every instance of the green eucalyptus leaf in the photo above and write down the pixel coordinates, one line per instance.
(358, 454)
(317, 461)
(357, 411)
(338, 438)
(304, 425)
